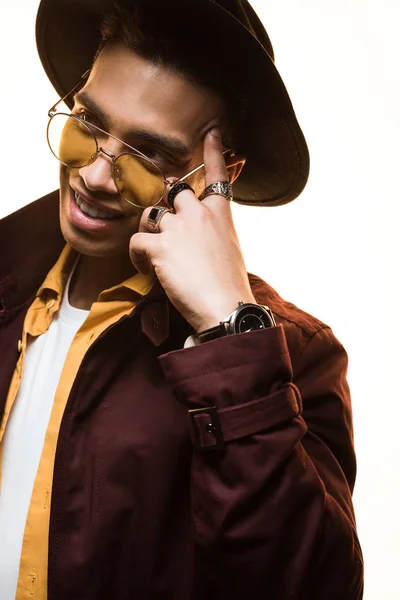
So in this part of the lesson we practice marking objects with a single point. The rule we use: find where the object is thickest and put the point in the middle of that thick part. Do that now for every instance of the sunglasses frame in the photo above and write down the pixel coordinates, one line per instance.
(99, 149)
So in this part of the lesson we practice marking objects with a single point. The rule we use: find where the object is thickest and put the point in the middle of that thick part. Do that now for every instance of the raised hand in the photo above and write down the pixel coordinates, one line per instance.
(195, 252)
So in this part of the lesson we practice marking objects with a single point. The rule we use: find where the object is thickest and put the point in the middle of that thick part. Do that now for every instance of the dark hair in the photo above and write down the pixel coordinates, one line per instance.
(180, 46)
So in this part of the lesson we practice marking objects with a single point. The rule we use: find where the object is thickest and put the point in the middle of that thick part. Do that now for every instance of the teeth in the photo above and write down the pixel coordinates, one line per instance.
(91, 211)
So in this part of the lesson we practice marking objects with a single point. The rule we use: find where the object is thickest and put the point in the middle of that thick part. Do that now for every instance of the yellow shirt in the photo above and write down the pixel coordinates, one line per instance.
(111, 305)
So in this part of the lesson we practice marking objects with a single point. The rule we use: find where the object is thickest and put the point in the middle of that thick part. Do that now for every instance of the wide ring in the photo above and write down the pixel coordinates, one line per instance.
(155, 216)
(219, 188)
(175, 190)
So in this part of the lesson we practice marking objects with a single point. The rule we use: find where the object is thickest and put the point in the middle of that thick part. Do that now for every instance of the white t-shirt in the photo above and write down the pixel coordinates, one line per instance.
(25, 433)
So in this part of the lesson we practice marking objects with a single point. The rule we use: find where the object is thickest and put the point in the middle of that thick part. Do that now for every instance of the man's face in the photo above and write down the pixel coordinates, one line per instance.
(156, 111)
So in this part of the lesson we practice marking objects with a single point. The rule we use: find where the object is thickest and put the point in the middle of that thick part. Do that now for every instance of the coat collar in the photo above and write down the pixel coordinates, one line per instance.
(30, 244)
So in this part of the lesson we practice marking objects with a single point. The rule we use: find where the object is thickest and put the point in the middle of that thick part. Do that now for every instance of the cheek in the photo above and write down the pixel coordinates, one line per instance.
(64, 190)
(133, 227)
(198, 183)
(65, 175)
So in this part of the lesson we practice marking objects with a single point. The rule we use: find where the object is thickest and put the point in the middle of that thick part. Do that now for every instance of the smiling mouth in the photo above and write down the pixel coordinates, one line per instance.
(93, 212)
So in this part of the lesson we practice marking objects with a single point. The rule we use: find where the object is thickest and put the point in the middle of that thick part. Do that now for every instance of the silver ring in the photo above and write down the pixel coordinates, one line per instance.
(155, 216)
(219, 188)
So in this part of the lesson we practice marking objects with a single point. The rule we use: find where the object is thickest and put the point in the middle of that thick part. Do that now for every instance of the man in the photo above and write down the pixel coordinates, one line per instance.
(171, 428)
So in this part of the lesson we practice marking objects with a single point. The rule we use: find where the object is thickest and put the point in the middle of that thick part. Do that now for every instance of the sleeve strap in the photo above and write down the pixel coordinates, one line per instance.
(212, 428)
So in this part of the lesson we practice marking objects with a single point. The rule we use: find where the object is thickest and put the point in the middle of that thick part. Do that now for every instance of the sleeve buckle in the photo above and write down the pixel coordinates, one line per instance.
(204, 429)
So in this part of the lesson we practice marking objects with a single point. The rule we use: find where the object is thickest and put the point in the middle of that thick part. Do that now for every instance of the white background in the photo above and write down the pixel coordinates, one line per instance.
(335, 251)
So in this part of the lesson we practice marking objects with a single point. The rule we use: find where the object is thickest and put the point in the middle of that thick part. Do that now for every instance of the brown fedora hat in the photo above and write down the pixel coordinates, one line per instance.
(276, 171)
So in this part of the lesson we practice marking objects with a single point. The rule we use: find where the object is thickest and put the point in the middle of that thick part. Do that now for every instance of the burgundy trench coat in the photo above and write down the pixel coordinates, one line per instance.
(150, 502)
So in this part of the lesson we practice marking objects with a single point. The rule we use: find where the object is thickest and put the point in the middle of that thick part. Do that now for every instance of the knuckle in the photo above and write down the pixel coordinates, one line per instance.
(206, 215)
(146, 213)
(135, 238)
(133, 242)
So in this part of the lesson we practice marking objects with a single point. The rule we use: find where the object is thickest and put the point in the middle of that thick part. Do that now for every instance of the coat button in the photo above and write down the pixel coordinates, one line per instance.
(19, 345)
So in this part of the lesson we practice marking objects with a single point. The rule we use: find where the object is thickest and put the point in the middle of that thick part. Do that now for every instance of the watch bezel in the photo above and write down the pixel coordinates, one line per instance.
(234, 318)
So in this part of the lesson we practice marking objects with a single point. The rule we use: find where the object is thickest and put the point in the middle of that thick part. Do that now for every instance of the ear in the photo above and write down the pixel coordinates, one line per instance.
(235, 166)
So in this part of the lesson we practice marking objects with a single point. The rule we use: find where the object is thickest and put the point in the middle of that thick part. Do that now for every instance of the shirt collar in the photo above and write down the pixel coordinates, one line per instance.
(155, 313)
(55, 281)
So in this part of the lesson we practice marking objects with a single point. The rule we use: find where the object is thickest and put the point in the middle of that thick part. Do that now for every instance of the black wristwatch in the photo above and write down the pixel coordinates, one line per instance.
(246, 317)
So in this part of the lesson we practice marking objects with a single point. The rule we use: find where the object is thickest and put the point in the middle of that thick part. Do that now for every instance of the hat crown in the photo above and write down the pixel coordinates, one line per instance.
(243, 12)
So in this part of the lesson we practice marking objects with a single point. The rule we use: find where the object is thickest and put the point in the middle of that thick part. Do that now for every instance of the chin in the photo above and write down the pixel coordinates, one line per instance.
(95, 248)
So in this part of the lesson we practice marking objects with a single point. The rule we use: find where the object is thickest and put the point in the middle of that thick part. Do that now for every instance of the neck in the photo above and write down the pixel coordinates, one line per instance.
(93, 275)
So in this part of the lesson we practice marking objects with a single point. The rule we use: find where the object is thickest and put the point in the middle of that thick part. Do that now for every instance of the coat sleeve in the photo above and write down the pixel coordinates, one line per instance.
(273, 467)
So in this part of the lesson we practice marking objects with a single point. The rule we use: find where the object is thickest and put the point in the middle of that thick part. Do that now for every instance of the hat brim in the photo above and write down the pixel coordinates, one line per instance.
(277, 166)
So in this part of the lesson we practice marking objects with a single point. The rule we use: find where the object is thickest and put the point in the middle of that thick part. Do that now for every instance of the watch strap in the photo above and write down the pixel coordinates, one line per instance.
(213, 333)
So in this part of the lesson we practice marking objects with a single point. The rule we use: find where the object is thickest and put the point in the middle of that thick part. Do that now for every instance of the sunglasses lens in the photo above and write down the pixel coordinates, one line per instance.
(71, 141)
(139, 181)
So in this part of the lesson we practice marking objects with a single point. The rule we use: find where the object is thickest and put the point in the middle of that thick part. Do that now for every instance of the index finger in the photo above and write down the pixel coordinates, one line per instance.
(214, 160)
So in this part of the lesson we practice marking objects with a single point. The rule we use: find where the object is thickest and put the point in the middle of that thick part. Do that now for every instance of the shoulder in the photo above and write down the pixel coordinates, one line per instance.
(285, 312)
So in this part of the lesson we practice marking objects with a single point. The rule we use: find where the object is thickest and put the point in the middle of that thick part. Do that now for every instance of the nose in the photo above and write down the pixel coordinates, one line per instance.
(98, 176)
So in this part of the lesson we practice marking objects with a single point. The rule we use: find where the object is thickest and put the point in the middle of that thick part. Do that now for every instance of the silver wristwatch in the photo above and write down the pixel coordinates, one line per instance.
(246, 317)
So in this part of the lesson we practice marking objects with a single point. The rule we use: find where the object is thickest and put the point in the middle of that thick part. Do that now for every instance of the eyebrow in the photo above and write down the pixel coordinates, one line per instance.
(170, 144)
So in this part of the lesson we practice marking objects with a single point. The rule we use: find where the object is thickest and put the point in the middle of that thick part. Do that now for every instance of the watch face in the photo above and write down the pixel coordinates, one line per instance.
(250, 318)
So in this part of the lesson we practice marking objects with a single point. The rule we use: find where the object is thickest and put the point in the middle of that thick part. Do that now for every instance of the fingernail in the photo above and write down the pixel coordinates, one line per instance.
(215, 131)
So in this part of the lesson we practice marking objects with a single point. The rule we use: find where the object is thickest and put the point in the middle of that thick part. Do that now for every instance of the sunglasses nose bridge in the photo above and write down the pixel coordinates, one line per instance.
(107, 153)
